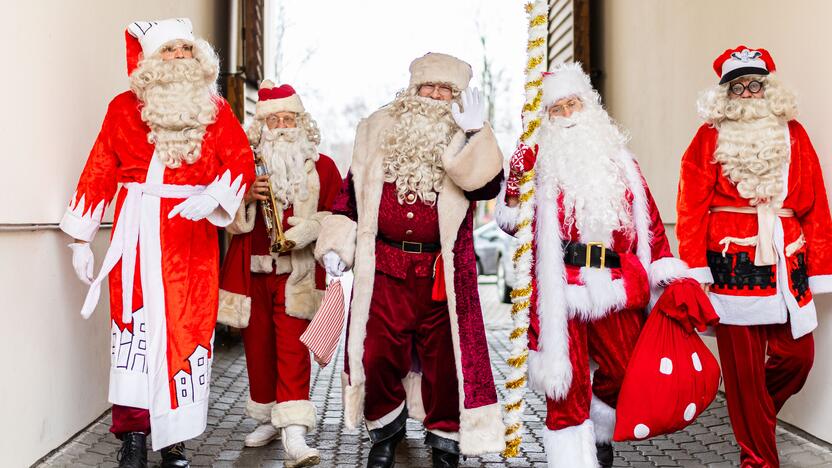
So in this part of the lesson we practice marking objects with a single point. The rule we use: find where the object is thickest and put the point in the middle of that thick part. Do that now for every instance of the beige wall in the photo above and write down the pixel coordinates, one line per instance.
(656, 56)
(63, 62)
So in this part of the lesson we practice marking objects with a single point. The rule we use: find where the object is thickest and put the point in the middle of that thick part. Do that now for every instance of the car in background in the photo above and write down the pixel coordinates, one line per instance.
(494, 250)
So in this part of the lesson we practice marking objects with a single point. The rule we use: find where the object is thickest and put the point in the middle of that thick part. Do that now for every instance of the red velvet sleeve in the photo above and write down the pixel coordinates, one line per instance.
(97, 184)
(330, 180)
(659, 246)
(345, 200)
(697, 182)
(816, 222)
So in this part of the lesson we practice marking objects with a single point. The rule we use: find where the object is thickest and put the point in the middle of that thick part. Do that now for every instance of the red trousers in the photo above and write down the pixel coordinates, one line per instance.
(128, 419)
(278, 363)
(407, 330)
(756, 388)
(609, 342)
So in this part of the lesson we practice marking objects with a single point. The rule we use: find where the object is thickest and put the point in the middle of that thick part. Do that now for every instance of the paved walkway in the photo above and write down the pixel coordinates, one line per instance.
(706, 443)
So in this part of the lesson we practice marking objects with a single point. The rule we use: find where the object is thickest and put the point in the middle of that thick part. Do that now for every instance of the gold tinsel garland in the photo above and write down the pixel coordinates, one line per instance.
(517, 379)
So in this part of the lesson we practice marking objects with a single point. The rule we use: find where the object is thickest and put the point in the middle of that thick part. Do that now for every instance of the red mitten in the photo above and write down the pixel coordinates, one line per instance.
(521, 162)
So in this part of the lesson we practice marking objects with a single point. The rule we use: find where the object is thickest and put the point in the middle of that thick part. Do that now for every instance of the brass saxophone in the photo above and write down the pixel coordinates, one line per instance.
(271, 216)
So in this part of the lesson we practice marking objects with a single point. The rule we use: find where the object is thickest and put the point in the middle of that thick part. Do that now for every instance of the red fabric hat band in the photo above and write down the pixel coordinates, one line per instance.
(279, 92)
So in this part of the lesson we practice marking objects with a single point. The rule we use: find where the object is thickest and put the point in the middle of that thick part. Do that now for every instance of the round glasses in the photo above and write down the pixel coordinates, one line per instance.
(289, 120)
(429, 88)
(753, 86)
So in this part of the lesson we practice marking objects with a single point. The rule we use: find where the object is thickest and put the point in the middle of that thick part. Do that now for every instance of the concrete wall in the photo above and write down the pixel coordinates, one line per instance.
(656, 56)
(63, 62)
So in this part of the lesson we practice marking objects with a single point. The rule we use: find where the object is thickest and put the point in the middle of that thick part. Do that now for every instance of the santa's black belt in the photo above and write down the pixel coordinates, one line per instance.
(412, 247)
(593, 255)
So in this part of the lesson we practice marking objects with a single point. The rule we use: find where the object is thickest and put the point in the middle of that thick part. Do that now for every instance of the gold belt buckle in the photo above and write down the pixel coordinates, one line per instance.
(417, 244)
(589, 246)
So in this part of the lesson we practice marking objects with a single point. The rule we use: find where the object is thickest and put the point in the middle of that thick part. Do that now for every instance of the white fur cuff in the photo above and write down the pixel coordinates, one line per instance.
(603, 418)
(353, 396)
(413, 389)
(481, 430)
(338, 234)
(665, 270)
(260, 412)
(571, 447)
(820, 284)
(244, 219)
(550, 375)
(702, 274)
(474, 163)
(506, 216)
(300, 412)
(234, 309)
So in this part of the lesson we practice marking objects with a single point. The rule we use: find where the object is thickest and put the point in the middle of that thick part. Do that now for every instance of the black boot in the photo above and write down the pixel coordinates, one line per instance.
(133, 451)
(383, 452)
(443, 459)
(605, 454)
(173, 456)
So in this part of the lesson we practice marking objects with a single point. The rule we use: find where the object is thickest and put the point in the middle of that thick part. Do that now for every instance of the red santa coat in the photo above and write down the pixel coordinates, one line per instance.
(561, 292)
(162, 346)
(249, 251)
(803, 242)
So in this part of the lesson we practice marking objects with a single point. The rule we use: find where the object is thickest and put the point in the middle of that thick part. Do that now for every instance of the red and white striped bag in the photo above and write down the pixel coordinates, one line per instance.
(323, 333)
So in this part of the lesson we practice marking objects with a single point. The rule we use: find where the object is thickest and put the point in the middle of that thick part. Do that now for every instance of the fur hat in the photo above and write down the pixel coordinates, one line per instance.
(271, 99)
(440, 68)
(566, 80)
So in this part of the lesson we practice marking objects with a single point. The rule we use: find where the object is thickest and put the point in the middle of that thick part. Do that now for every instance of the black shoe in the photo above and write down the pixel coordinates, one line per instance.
(605, 454)
(443, 459)
(133, 451)
(173, 456)
(383, 452)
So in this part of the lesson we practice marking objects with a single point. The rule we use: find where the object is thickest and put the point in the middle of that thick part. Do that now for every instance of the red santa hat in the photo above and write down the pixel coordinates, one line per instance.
(440, 68)
(271, 99)
(148, 36)
(742, 61)
(566, 80)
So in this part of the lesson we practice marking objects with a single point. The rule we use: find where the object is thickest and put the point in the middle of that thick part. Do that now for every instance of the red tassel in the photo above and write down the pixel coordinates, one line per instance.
(439, 294)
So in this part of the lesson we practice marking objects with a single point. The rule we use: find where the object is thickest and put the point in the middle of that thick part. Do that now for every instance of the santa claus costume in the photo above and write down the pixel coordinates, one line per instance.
(179, 182)
(416, 344)
(599, 252)
(754, 224)
(273, 296)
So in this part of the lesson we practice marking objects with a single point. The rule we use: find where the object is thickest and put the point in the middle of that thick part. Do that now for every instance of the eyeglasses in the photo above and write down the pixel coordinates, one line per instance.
(560, 110)
(753, 87)
(177, 47)
(274, 119)
(444, 90)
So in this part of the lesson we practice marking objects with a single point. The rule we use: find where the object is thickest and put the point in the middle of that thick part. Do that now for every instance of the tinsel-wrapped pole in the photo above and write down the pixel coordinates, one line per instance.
(538, 12)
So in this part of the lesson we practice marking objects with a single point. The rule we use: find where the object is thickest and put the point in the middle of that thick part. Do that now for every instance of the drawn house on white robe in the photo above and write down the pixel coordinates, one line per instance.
(129, 349)
(193, 386)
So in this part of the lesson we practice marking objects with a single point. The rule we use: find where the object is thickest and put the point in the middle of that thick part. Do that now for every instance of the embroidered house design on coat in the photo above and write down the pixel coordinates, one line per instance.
(193, 387)
(128, 349)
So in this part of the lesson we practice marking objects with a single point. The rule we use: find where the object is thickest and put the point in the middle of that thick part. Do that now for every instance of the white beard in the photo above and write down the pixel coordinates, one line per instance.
(286, 151)
(579, 158)
(753, 150)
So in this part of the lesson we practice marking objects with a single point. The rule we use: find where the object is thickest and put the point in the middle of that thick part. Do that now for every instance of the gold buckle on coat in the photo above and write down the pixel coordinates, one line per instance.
(589, 247)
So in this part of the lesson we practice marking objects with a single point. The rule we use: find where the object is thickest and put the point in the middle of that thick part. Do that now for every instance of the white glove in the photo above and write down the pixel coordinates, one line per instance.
(195, 207)
(474, 115)
(82, 261)
(334, 266)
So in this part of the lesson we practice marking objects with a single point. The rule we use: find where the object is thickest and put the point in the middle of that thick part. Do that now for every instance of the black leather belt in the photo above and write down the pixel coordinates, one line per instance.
(593, 255)
(412, 247)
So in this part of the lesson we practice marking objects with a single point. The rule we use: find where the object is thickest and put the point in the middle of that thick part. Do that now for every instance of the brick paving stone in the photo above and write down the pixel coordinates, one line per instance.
(706, 443)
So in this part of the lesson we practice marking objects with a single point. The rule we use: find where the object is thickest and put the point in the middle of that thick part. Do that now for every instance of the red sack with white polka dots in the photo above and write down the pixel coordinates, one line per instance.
(672, 376)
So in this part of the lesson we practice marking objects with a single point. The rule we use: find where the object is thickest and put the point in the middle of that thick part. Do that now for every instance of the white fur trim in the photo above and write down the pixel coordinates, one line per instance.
(288, 104)
(262, 264)
(234, 309)
(244, 219)
(260, 412)
(641, 212)
(229, 195)
(481, 430)
(603, 419)
(338, 234)
(550, 370)
(566, 80)
(472, 163)
(413, 388)
(295, 412)
(665, 270)
(702, 274)
(749, 310)
(81, 224)
(599, 295)
(353, 398)
(571, 447)
(820, 284)
(506, 216)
